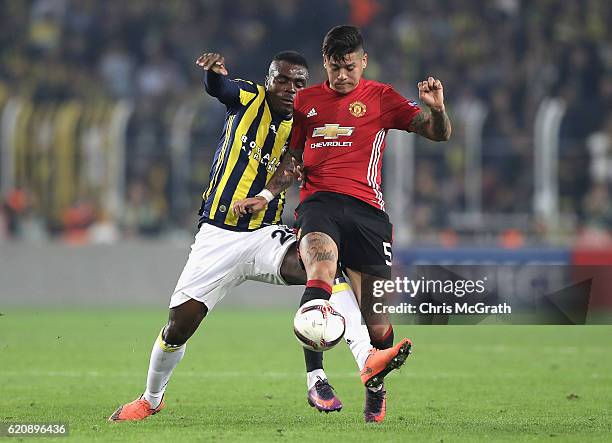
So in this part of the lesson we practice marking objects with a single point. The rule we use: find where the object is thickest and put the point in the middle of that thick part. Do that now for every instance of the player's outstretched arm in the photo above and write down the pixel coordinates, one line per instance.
(215, 79)
(287, 172)
(434, 125)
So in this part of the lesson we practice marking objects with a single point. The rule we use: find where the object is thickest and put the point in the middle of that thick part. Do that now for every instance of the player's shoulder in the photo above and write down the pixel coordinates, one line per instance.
(313, 90)
(376, 85)
(247, 85)
(304, 96)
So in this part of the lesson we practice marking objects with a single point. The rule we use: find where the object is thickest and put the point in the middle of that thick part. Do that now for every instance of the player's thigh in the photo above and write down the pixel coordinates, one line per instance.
(275, 256)
(219, 260)
(320, 213)
(369, 245)
(319, 233)
(319, 253)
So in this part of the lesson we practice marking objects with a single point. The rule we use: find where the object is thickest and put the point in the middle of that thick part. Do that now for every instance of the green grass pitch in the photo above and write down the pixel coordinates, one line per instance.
(242, 379)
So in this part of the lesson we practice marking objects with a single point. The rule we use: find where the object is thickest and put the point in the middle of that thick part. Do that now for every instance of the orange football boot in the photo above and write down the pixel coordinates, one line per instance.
(139, 409)
(382, 361)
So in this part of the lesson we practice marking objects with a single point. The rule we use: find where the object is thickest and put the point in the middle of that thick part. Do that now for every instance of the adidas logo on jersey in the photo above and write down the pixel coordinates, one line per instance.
(311, 113)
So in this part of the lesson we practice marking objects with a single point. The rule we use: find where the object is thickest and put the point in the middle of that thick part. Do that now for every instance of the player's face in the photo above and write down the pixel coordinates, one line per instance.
(344, 75)
(284, 80)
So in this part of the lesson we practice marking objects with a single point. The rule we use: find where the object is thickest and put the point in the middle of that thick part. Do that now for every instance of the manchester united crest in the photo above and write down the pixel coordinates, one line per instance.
(358, 109)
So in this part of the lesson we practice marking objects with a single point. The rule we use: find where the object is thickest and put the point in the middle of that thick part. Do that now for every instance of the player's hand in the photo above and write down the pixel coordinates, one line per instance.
(213, 62)
(431, 93)
(251, 205)
(297, 172)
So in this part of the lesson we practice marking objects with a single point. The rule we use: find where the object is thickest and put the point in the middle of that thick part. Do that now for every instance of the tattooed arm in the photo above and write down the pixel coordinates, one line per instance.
(284, 176)
(434, 125)
(286, 173)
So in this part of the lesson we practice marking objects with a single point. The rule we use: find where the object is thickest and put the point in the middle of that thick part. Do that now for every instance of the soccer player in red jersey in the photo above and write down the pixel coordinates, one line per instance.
(339, 131)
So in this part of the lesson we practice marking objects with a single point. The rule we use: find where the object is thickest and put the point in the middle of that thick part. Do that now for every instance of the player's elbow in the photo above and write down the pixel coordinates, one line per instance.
(442, 136)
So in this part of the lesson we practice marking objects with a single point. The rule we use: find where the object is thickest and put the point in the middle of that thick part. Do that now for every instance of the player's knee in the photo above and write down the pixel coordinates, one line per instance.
(177, 333)
(183, 322)
(324, 270)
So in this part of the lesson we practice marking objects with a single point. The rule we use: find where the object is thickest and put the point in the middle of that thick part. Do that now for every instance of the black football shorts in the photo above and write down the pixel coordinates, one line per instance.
(362, 232)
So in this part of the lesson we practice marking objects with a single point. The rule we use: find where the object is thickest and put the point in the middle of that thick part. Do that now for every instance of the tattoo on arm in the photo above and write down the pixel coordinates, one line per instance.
(435, 126)
(419, 123)
(279, 180)
(441, 126)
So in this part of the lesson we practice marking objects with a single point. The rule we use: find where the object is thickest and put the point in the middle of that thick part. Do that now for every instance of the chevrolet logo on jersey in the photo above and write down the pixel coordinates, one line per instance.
(332, 131)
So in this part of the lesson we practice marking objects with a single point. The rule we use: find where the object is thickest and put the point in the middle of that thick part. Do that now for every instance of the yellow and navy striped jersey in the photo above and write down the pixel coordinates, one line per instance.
(254, 139)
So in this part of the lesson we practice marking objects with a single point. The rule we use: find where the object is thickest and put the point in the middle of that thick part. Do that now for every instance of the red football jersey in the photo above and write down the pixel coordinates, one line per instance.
(344, 137)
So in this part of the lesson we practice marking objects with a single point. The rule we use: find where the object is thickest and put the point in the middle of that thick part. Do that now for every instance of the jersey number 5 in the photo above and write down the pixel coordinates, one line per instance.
(388, 254)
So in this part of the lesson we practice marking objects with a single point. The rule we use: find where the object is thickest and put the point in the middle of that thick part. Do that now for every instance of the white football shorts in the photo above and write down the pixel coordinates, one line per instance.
(221, 259)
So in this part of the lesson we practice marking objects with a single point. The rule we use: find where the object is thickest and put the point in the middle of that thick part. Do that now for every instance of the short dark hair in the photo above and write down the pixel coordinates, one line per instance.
(292, 57)
(342, 40)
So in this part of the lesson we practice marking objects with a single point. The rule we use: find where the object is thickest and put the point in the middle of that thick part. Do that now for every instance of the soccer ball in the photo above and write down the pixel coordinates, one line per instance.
(318, 326)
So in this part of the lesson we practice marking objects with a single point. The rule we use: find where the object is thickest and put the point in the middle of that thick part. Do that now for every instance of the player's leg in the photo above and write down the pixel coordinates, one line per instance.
(386, 356)
(319, 253)
(169, 348)
(367, 259)
(279, 243)
(378, 324)
(210, 272)
(356, 333)
(382, 358)
(277, 262)
(319, 240)
(320, 394)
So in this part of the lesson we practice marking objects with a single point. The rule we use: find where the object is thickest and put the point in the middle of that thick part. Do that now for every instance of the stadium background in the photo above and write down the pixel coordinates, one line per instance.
(107, 136)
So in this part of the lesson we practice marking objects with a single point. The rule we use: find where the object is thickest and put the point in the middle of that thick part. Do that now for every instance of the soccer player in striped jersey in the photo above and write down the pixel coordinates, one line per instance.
(229, 250)
(339, 131)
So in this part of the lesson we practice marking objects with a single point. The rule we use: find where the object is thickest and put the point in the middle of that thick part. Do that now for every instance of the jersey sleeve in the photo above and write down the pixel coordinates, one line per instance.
(298, 129)
(396, 111)
(230, 92)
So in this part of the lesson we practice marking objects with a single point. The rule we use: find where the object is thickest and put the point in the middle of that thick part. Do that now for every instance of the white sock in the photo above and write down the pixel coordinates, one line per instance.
(164, 358)
(313, 377)
(356, 334)
(377, 388)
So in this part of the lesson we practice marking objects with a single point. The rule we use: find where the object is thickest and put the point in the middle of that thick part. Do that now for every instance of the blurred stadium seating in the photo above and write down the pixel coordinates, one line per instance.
(107, 134)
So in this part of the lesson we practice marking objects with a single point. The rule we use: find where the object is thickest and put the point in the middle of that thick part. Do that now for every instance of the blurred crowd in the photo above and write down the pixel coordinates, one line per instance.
(505, 54)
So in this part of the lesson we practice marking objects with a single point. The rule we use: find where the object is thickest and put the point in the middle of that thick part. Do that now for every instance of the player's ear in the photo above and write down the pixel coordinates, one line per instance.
(364, 60)
(267, 81)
